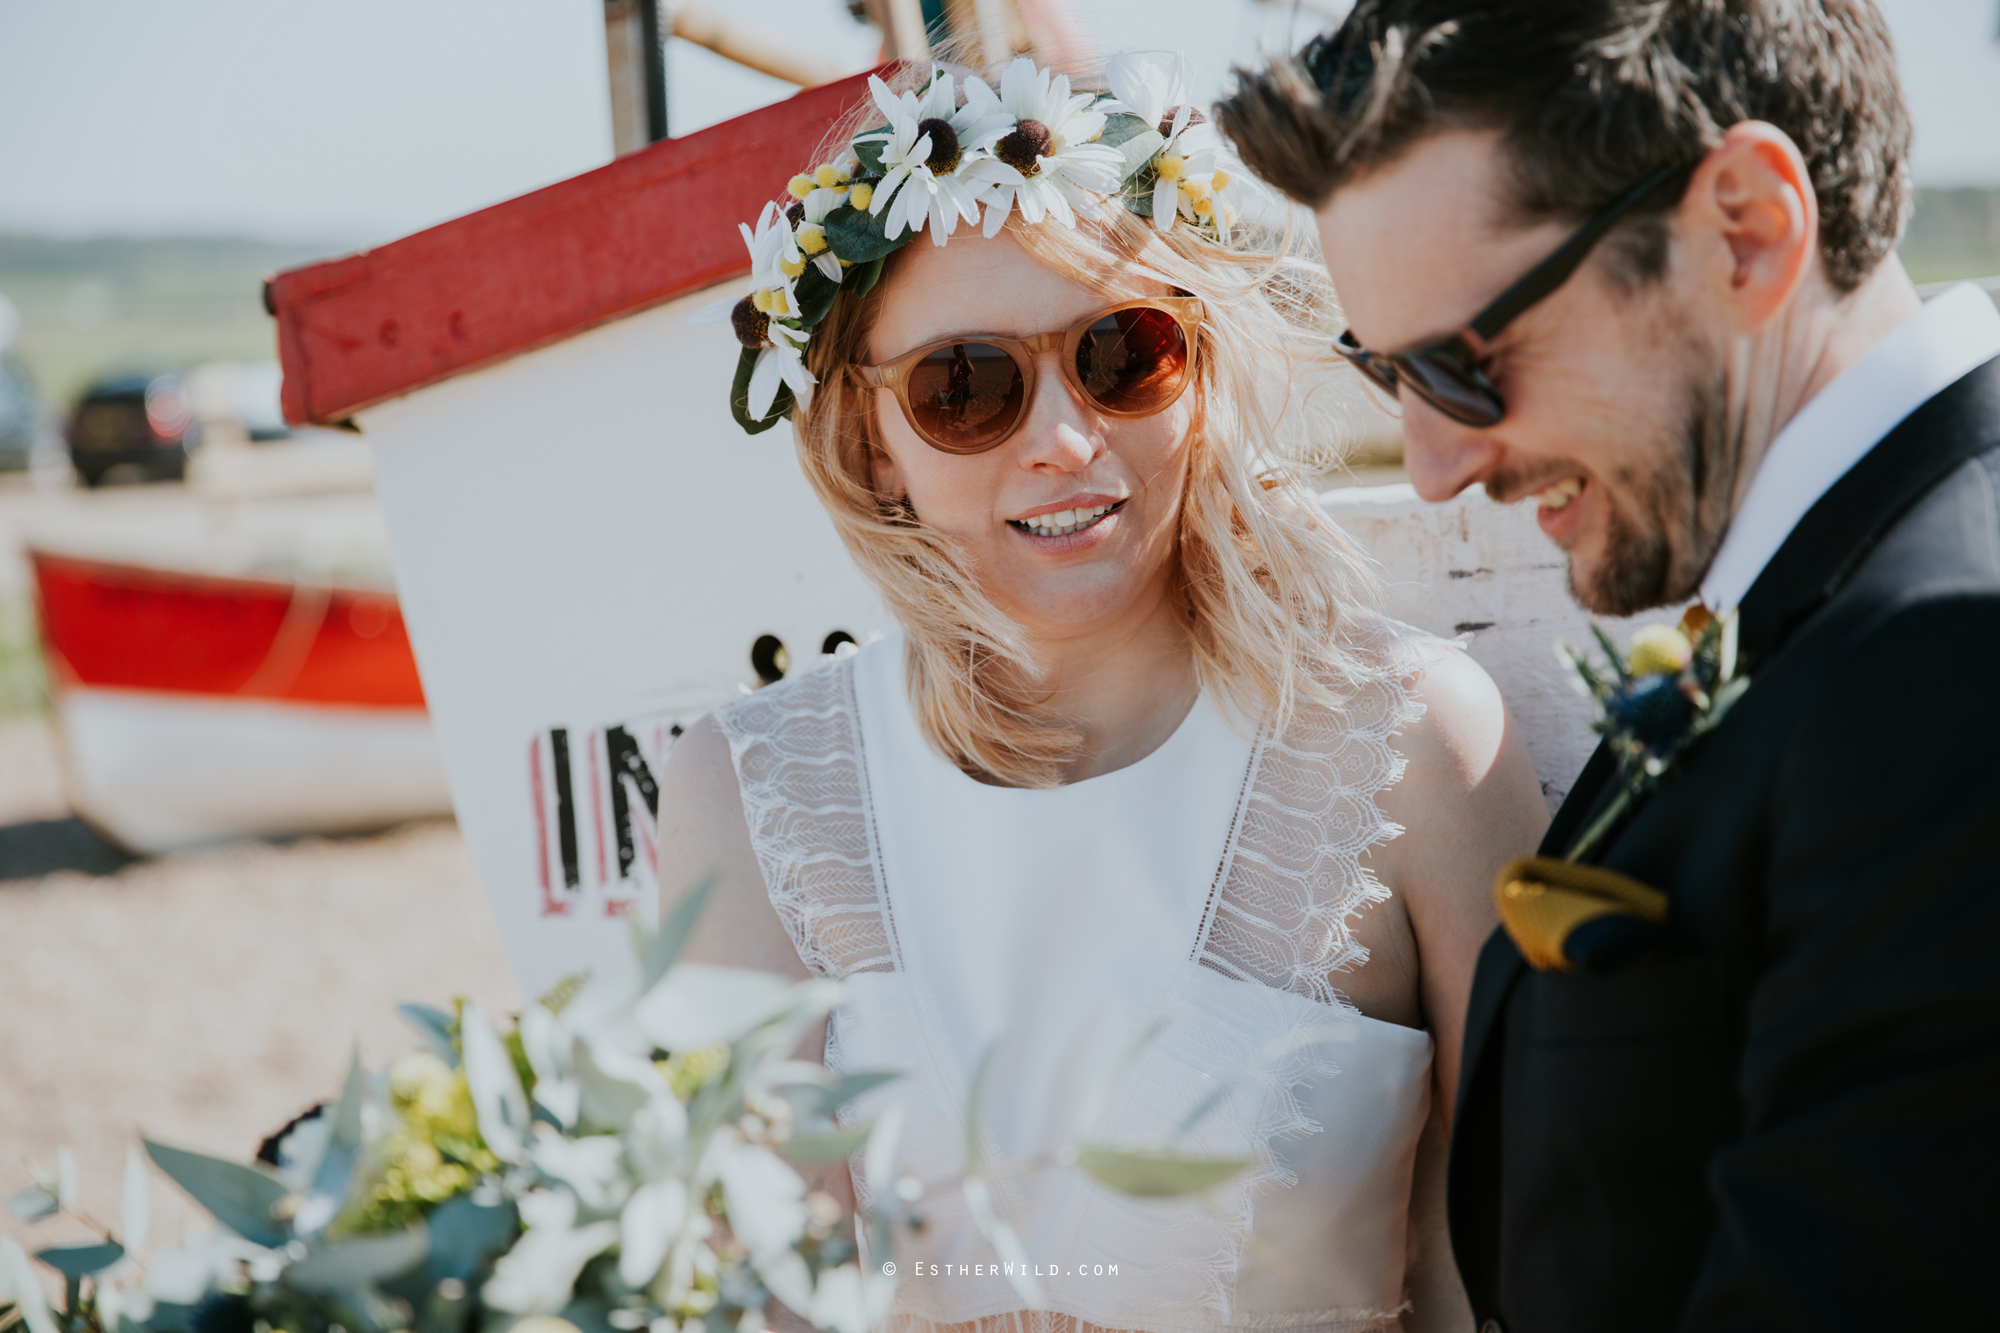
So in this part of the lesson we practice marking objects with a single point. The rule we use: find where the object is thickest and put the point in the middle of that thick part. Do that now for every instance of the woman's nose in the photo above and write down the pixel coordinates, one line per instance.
(1059, 432)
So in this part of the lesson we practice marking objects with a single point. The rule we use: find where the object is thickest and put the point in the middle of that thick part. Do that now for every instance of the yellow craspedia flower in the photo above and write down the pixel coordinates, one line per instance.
(1659, 650)
(761, 299)
(1220, 181)
(830, 177)
(1170, 166)
(791, 268)
(861, 196)
(687, 1071)
(801, 186)
(1200, 197)
(811, 238)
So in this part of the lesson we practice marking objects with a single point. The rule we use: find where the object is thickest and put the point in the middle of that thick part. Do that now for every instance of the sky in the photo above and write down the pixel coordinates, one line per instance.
(355, 122)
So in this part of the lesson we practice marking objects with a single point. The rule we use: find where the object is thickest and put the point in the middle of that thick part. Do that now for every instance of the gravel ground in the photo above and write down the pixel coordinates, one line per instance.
(204, 998)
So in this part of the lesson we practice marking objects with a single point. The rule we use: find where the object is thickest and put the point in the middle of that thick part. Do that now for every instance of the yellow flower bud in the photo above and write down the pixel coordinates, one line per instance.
(861, 196)
(830, 177)
(1659, 650)
(801, 186)
(811, 238)
(761, 298)
(1220, 181)
(1200, 197)
(791, 268)
(1170, 166)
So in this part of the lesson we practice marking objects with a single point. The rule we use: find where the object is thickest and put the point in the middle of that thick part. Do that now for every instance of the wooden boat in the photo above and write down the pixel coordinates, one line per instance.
(195, 706)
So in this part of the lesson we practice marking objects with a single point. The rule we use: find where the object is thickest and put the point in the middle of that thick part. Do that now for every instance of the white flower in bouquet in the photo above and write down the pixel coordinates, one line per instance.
(1049, 164)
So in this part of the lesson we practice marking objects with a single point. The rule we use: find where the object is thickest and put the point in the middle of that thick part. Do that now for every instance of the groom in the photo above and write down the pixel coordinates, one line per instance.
(1714, 379)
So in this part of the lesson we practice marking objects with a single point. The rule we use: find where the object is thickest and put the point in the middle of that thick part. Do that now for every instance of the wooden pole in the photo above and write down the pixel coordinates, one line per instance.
(902, 25)
(748, 45)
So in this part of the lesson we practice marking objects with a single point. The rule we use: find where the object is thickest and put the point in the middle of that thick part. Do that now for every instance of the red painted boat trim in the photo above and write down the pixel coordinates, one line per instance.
(131, 627)
(653, 225)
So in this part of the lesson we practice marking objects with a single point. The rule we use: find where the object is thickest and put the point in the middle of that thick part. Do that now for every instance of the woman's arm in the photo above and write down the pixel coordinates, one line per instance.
(1471, 802)
(703, 836)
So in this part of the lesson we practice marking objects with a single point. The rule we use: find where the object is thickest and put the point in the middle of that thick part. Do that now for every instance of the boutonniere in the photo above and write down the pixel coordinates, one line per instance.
(1673, 686)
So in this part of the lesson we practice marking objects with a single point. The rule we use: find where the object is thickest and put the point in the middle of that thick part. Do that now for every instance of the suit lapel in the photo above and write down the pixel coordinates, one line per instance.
(1829, 543)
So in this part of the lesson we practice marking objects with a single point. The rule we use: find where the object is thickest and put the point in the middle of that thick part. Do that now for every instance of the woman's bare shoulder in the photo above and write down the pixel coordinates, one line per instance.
(704, 837)
(1463, 754)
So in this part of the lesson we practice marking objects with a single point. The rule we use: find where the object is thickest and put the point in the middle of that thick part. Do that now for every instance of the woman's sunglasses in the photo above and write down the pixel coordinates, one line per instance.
(1445, 372)
(968, 395)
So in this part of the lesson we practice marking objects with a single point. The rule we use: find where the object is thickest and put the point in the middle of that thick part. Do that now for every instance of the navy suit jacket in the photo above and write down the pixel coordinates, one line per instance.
(1786, 1115)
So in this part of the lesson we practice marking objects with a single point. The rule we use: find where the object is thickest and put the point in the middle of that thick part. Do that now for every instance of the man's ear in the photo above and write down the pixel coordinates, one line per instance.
(1754, 219)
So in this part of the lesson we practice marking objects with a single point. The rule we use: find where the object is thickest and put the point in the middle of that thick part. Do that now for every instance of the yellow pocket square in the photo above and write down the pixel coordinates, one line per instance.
(1546, 905)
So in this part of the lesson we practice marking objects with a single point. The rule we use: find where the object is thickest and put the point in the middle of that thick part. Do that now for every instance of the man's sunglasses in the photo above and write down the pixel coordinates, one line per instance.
(1445, 372)
(968, 395)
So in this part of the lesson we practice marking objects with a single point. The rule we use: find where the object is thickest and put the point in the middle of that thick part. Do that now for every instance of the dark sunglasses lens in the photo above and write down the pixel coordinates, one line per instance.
(1453, 387)
(1133, 362)
(966, 397)
(1380, 373)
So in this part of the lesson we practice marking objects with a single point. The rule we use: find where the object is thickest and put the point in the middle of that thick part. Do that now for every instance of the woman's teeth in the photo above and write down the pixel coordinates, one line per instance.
(1559, 495)
(1063, 521)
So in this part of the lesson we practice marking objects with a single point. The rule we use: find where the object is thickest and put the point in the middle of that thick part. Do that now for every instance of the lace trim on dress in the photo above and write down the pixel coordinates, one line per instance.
(796, 746)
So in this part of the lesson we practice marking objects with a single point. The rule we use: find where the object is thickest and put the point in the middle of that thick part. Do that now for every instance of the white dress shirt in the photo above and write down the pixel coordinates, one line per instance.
(1955, 332)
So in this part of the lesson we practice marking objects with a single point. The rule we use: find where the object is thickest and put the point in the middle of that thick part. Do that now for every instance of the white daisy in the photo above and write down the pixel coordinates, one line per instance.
(1155, 90)
(779, 363)
(927, 146)
(1048, 164)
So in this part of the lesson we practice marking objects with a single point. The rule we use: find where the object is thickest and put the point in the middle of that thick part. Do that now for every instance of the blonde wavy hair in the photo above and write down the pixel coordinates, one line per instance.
(1272, 596)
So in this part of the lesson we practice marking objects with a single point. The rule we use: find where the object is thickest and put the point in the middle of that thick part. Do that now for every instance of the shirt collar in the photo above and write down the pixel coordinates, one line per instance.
(1952, 334)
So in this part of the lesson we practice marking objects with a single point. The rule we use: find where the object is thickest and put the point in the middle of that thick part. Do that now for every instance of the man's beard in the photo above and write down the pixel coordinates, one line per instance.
(1658, 555)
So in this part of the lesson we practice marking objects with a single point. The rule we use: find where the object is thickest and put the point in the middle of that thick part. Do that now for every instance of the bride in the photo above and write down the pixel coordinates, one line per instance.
(1142, 759)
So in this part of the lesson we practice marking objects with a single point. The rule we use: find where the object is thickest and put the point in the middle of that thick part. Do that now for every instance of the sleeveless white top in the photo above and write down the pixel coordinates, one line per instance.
(1209, 885)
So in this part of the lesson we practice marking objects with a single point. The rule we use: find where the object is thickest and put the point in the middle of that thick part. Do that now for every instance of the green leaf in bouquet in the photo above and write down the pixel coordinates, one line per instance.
(359, 1262)
(833, 1147)
(814, 292)
(496, 1088)
(334, 1177)
(659, 952)
(434, 1025)
(812, 1102)
(467, 1234)
(240, 1197)
(697, 1005)
(857, 236)
(868, 151)
(1157, 1174)
(75, 1261)
(33, 1203)
(1611, 654)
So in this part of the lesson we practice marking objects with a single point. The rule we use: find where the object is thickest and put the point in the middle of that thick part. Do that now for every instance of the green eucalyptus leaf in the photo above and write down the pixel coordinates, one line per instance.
(434, 1026)
(834, 1147)
(739, 397)
(811, 1101)
(662, 949)
(466, 1235)
(1139, 149)
(856, 236)
(76, 1261)
(1120, 127)
(242, 1198)
(335, 1176)
(864, 277)
(815, 292)
(869, 150)
(608, 1102)
(359, 1261)
(1157, 1174)
(33, 1203)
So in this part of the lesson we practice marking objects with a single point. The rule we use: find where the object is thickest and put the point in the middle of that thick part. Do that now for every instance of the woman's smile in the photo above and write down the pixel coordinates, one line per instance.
(1071, 525)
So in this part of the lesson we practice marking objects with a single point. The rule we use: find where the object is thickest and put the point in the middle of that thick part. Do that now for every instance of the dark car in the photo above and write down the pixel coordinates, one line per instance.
(137, 425)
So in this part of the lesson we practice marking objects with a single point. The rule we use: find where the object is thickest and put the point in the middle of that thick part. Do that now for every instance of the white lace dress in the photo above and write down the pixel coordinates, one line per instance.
(1209, 884)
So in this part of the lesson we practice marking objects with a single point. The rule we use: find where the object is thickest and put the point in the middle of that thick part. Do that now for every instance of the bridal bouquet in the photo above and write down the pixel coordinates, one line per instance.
(626, 1156)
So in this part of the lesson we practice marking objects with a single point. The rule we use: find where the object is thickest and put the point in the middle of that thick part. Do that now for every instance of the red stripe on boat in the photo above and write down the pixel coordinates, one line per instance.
(131, 627)
(651, 226)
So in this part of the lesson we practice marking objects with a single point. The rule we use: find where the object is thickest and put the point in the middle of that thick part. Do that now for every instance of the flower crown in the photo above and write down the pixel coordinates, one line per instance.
(1033, 148)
